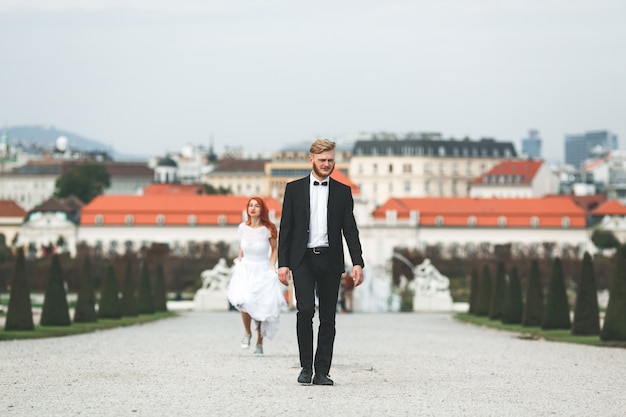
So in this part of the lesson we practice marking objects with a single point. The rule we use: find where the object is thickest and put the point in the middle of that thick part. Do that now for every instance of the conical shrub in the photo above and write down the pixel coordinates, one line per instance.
(129, 296)
(496, 304)
(586, 310)
(513, 304)
(145, 298)
(110, 306)
(533, 306)
(55, 311)
(160, 294)
(85, 310)
(474, 289)
(484, 292)
(556, 314)
(614, 327)
(20, 310)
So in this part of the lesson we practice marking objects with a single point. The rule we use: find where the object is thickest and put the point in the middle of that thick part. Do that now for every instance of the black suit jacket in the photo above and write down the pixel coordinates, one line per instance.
(294, 225)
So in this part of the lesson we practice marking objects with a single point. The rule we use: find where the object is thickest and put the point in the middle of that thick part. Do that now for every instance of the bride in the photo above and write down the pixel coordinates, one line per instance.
(254, 288)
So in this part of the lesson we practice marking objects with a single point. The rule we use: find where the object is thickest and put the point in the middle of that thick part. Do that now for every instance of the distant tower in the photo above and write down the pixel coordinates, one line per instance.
(578, 148)
(531, 146)
(211, 157)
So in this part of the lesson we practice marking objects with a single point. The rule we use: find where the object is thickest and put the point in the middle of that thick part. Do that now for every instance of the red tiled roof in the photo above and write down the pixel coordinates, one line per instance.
(342, 178)
(486, 211)
(176, 209)
(610, 208)
(9, 208)
(526, 170)
(171, 189)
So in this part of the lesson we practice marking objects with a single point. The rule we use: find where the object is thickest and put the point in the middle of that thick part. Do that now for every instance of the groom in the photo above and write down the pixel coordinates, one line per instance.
(317, 211)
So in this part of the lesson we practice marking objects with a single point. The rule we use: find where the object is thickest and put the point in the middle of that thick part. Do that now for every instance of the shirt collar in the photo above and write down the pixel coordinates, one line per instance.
(312, 178)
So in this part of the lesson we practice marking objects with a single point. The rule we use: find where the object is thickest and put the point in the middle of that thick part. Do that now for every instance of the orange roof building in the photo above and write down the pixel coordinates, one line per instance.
(546, 212)
(516, 178)
(469, 222)
(116, 220)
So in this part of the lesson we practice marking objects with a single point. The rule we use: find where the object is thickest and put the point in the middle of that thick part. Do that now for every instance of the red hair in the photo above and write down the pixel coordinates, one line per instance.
(264, 217)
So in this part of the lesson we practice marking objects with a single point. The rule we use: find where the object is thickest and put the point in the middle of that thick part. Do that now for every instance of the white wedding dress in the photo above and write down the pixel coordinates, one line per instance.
(254, 287)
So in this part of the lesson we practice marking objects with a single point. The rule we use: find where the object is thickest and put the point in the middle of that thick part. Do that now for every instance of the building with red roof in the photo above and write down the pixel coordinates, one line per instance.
(11, 218)
(516, 179)
(115, 222)
(523, 222)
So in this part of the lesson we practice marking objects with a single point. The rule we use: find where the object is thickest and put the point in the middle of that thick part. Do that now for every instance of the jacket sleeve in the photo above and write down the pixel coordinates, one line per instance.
(351, 231)
(286, 228)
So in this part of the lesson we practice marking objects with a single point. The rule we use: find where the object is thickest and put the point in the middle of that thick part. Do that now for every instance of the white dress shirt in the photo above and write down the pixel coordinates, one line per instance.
(318, 203)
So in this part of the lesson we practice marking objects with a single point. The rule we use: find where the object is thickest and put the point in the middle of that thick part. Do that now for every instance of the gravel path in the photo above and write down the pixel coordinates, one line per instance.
(407, 364)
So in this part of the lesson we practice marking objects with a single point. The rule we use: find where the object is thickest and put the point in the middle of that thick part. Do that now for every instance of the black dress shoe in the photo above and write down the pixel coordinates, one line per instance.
(305, 376)
(322, 380)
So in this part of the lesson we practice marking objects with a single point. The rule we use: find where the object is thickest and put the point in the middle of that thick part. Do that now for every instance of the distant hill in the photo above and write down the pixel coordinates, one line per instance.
(46, 136)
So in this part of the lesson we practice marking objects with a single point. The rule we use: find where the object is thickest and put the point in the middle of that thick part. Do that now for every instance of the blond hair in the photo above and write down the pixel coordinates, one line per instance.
(321, 145)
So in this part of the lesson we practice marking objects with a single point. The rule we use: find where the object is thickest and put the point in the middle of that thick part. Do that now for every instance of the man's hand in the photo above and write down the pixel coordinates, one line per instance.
(284, 275)
(357, 275)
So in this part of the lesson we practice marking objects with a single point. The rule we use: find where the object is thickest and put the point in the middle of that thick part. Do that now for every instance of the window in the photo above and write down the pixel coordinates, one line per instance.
(221, 220)
(565, 222)
(407, 186)
(160, 220)
(502, 221)
(391, 168)
(99, 219)
(439, 221)
(442, 151)
(471, 221)
(534, 221)
(406, 168)
(129, 220)
(375, 168)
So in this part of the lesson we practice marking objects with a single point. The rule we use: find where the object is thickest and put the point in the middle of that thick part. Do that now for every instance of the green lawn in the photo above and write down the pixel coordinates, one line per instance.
(537, 333)
(78, 328)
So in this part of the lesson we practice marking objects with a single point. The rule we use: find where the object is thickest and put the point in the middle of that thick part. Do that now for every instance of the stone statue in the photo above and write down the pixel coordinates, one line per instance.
(216, 279)
(428, 279)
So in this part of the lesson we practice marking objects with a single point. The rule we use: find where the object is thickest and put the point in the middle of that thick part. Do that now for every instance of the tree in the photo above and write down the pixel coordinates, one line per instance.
(110, 306)
(604, 239)
(160, 294)
(20, 310)
(474, 286)
(55, 311)
(533, 307)
(513, 305)
(484, 294)
(145, 299)
(86, 182)
(586, 310)
(129, 297)
(85, 310)
(556, 313)
(614, 327)
(496, 304)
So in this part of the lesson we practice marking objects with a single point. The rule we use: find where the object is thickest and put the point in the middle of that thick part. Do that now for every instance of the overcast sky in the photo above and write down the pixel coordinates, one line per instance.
(148, 76)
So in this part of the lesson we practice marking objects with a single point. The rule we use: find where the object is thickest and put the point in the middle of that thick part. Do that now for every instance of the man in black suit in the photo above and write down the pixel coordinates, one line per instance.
(317, 212)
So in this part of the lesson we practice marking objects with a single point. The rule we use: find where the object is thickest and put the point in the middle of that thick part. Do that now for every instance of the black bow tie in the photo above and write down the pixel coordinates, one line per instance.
(325, 183)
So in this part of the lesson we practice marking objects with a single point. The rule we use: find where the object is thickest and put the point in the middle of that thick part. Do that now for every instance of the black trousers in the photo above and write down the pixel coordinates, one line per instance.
(314, 273)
